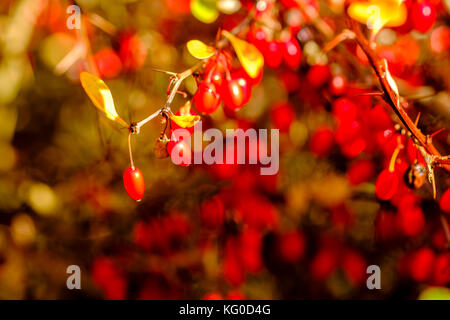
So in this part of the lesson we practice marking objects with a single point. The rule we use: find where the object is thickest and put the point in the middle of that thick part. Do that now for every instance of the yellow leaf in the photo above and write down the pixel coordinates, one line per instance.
(185, 121)
(200, 50)
(204, 10)
(251, 59)
(378, 13)
(100, 96)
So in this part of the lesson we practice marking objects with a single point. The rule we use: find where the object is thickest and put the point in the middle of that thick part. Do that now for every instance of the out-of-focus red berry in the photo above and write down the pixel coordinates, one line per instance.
(360, 171)
(444, 203)
(292, 53)
(282, 115)
(212, 213)
(212, 296)
(441, 270)
(411, 221)
(292, 246)
(423, 16)
(421, 264)
(354, 267)
(338, 85)
(318, 75)
(133, 51)
(321, 141)
(273, 54)
(323, 264)
(385, 226)
(108, 63)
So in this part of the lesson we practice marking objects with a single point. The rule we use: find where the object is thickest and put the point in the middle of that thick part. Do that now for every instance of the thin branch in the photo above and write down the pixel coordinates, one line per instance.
(391, 97)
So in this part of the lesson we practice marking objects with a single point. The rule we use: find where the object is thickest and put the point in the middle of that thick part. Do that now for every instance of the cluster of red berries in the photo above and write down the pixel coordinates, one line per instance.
(221, 83)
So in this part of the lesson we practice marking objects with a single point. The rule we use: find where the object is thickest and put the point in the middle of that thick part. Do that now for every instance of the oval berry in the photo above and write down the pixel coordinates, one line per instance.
(292, 53)
(206, 99)
(235, 92)
(133, 180)
(386, 185)
(423, 16)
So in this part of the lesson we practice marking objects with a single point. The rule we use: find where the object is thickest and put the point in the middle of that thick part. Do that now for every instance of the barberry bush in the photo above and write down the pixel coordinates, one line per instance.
(360, 94)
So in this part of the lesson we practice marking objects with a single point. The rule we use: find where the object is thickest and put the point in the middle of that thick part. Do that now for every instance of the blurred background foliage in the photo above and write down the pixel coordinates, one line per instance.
(62, 200)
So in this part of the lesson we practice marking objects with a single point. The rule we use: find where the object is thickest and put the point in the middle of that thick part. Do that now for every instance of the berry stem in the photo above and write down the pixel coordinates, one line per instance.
(129, 150)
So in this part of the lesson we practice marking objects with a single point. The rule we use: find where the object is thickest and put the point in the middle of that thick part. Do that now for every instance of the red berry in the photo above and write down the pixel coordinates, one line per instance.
(292, 246)
(411, 221)
(441, 271)
(212, 296)
(386, 185)
(345, 110)
(133, 180)
(180, 152)
(206, 99)
(318, 74)
(385, 226)
(235, 92)
(292, 53)
(338, 85)
(282, 115)
(444, 203)
(423, 16)
(273, 55)
(212, 213)
(360, 171)
(354, 267)
(132, 52)
(108, 63)
(421, 264)
(323, 264)
(321, 141)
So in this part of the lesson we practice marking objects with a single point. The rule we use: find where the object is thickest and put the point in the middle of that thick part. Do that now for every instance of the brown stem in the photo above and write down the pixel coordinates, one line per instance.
(389, 95)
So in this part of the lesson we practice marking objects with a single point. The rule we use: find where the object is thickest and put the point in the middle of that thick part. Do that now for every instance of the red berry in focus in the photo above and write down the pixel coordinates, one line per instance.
(206, 99)
(292, 246)
(444, 203)
(423, 16)
(180, 152)
(108, 63)
(386, 185)
(133, 180)
(292, 53)
(235, 92)
(321, 141)
(282, 115)
(133, 52)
